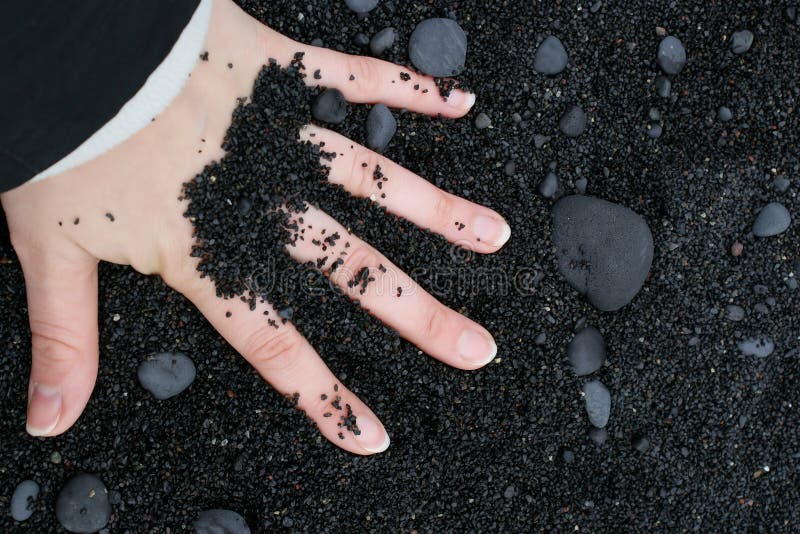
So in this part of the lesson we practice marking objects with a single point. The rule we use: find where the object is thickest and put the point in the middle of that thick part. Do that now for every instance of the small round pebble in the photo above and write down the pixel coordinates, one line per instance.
(438, 47)
(654, 114)
(772, 220)
(568, 456)
(760, 347)
(220, 522)
(734, 313)
(330, 106)
(663, 87)
(362, 6)
(82, 504)
(22, 500)
(382, 41)
(671, 55)
(587, 351)
(654, 131)
(573, 122)
(598, 435)
(381, 127)
(482, 121)
(781, 184)
(166, 374)
(741, 41)
(548, 187)
(724, 114)
(581, 184)
(551, 57)
(598, 403)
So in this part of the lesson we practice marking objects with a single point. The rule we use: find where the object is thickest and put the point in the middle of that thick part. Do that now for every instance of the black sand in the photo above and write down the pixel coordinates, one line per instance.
(485, 450)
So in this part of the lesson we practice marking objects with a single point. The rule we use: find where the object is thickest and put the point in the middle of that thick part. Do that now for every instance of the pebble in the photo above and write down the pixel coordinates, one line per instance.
(22, 500)
(220, 522)
(573, 122)
(741, 41)
(381, 127)
(55, 457)
(482, 121)
(737, 249)
(587, 351)
(510, 492)
(362, 6)
(791, 283)
(549, 186)
(598, 435)
(541, 339)
(760, 347)
(82, 504)
(510, 168)
(540, 140)
(551, 57)
(361, 39)
(382, 41)
(781, 184)
(724, 114)
(286, 313)
(654, 114)
(581, 184)
(598, 403)
(568, 456)
(772, 220)
(166, 374)
(604, 250)
(663, 87)
(654, 130)
(330, 106)
(671, 55)
(734, 313)
(438, 47)
(641, 444)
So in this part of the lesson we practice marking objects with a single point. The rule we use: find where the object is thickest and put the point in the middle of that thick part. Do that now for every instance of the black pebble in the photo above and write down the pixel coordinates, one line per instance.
(671, 55)
(362, 6)
(166, 374)
(438, 47)
(587, 351)
(82, 504)
(330, 106)
(741, 41)
(381, 127)
(382, 41)
(573, 122)
(220, 522)
(551, 57)
(548, 187)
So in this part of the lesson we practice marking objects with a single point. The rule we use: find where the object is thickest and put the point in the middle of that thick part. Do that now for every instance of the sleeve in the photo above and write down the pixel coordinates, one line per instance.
(69, 66)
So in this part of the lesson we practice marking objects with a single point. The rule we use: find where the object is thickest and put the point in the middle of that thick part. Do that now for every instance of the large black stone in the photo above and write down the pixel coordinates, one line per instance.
(604, 250)
(82, 504)
(166, 374)
(551, 57)
(438, 47)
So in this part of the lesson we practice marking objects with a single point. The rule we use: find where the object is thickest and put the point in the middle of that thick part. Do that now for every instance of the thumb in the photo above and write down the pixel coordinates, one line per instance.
(62, 307)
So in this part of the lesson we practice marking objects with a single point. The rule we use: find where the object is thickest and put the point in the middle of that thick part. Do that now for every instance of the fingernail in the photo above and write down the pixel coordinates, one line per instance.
(476, 348)
(461, 100)
(44, 409)
(490, 230)
(373, 436)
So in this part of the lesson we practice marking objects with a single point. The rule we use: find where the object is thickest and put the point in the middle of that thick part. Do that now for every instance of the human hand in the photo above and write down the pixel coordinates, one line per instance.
(60, 230)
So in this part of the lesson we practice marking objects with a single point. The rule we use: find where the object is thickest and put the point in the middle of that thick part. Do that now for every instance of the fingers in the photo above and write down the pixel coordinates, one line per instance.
(62, 307)
(285, 359)
(368, 80)
(365, 173)
(385, 291)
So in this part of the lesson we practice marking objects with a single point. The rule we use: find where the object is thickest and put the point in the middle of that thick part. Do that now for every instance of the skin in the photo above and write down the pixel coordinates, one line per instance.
(139, 182)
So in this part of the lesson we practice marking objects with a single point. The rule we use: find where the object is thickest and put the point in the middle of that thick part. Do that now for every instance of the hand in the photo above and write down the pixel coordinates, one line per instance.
(60, 231)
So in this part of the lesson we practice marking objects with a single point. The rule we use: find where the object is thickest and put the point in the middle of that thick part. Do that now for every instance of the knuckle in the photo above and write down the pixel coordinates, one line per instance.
(442, 216)
(435, 322)
(365, 71)
(269, 349)
(362, 180)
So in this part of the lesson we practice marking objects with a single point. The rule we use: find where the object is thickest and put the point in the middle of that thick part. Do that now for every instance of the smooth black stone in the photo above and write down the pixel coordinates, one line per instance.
(22, 500)
(654, 131)
(482, 121)
(381, 127)
(362, 6)
(220, 522)
(760, 347)
(438, 47)
(166, 374)
(741, 41)
(654, 114)
(671, 55)
(573, 122)
(548, 187)
(82, 505)
(330, 106)
(382, 41)
(734, 313)
(663, 87)
(551, 57)
(724, 114)
(581, 184)
(587, 351)
(598, 435)
(772, 220)
(598, 403)
(604, 250)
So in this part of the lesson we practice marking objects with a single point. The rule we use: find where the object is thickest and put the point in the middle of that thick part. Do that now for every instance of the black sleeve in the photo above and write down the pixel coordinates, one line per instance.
(68, 66)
